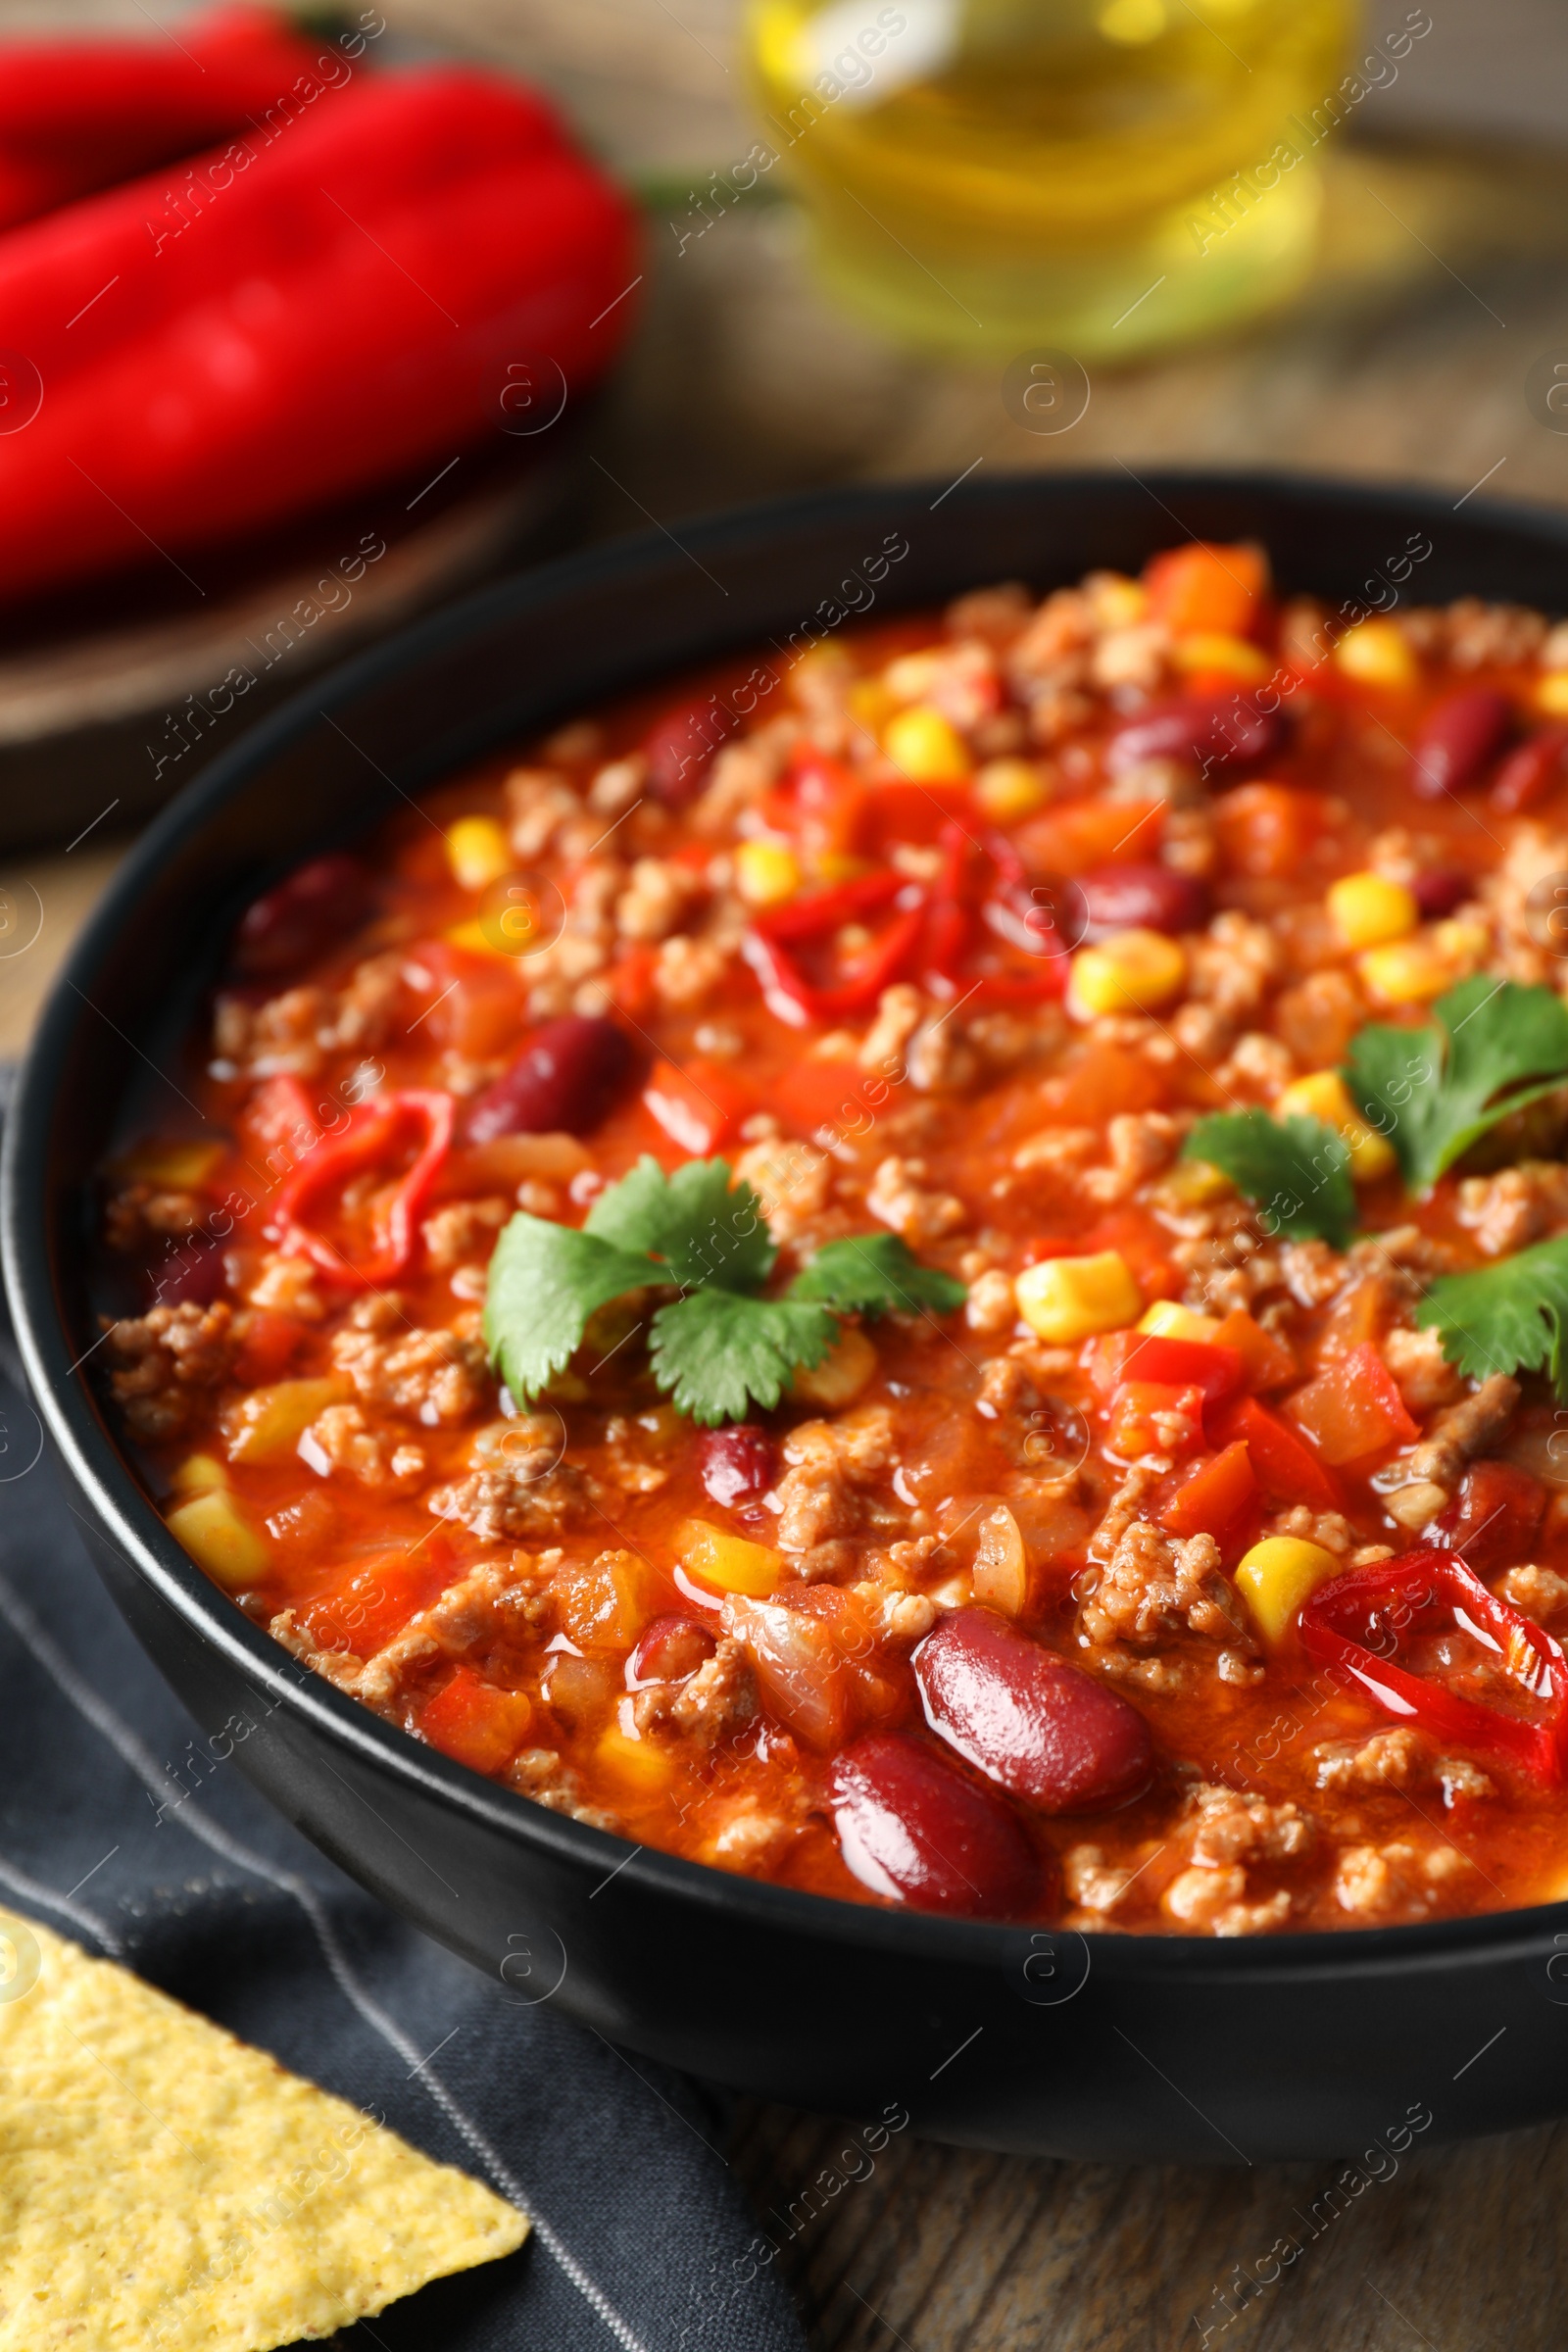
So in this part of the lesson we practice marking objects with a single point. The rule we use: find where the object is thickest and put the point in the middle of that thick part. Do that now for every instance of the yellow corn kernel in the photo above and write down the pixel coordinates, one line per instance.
(269, 1423)
(476, 937)
(1410, 970)
(927, 747)
(1208, 650)
(1277, 1576)
(767, 873)
(1168, 1321)
(1009, 790)
(1195, 1183)
(1133, 971)
(641, 1766)
(910, 677)
(1376, 652)
(728, 1562)
(1366, 910)
(198, 1474)
(1325, 1096)
(176, 1167)
(1114, 600)
(1551, 694)
(871, 705)
(841, 1374)
(477, 852)
(1068, 1298)
(220, 1539)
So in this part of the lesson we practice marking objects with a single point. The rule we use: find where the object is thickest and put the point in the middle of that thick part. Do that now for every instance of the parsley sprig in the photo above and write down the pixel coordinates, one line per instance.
(1433, 1090)
(1510, 1317)
(1296, 1169)
(717, 1345)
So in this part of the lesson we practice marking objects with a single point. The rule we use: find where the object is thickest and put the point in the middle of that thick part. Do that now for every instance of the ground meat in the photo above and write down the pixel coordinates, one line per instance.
(294, 1033)
(1325, 1528)
(1142, 1143)
(1092, 1882)
(688, 972)
(1465, 1430)
(791, 1179)
(537, 802)
(1312, 1270)
(1260, 1066)
(341, 1439)
(338, 1666)
(1398, 1759)
(897, 1195)
(1517, 1206)
(1481, 635)
(1540, 1593)
(1398, 1881)
(1318, 1019)
(747, 1838)
(1058, 1150)
(1235, 963)
(463, 1232)
(831, 1463)
(287, 1286)
(657, 900)
(539, 1773)
(721, 1698)
(434, 1377)
(520, 1491)
(992, 1308)
(1155, 1584)
(140, 1213)
(160, 1358)
(1215, 1901)
(1229, 1828)
(1426, 1378)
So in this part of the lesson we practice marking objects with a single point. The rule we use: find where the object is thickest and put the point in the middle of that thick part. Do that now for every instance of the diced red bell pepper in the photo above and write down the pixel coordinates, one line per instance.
(1493, 1517)
(1144, 1355)
(1214, 1496)
(1217, 590)
(369, 1141)
(366, 1606)
(277, 1127)
(1108, 1080)
(268, 1347)
(917, 812)
(809, 1095)
(701, 1107)
(1155, 1416)
(1355, 1620)
(1266, 1362)
(1284, 1467)
(1353, 1408)
(475, 1723)
(1267, 830)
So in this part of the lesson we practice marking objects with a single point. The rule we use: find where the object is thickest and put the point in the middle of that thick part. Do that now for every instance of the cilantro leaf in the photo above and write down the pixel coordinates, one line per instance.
(1296, 1169)
(706, 1227)
(1510, 1317)
(872, 1273)
(713, 1349)
(1433, 1090)
(544, 1282)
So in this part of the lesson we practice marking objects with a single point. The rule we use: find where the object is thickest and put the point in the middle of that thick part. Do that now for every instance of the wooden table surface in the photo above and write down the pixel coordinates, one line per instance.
(1446, 278)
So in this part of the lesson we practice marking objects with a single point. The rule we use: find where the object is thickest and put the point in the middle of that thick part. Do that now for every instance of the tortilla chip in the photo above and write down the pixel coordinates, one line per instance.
(165, 2188)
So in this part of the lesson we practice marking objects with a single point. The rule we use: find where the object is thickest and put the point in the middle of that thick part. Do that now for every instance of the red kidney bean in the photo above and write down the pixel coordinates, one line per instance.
(1224, 732)
(670, 1651)
(913, 1828)
(195, 1271)
(1038, 1727)
(1442, 889)
(565, 1081)
(1147, 898)
(736, 1463)
(1457, 739)
(1528, 774)
(679, 748)
(311, 910)
(1493, 1517)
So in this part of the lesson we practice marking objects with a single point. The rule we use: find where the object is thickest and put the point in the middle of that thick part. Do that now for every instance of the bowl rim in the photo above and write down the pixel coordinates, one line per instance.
(128, 1523)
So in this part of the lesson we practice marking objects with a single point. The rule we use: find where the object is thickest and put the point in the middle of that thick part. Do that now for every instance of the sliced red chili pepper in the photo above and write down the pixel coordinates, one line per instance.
(777, 941)
(981, 919)
(1354, 1622)
(364, 1144)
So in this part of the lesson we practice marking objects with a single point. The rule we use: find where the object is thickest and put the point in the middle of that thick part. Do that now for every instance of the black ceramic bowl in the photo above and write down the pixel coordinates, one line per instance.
(1106, 2047)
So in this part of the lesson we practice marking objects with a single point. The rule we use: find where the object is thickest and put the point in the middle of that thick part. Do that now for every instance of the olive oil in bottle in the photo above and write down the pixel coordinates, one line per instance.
(1101, 174)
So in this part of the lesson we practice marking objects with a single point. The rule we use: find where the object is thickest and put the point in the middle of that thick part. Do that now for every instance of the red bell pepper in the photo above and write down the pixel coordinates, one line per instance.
(1286, 1469)
(701, 1107)
(343, 309)
(1353, 1409)
(80, 115)
(1122, 1355)
(1211, 1501)
(369, 1141)
(1354, 1622)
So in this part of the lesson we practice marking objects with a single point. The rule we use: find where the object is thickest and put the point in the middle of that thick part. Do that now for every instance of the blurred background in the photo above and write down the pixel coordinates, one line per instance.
(1028, 233)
